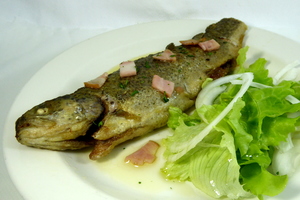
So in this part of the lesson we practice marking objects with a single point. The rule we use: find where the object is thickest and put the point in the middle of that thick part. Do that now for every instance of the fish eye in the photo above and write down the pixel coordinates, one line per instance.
(42, 111)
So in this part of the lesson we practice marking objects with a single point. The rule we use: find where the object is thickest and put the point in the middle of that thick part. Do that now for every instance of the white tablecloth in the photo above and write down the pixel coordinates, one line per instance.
(32, 32)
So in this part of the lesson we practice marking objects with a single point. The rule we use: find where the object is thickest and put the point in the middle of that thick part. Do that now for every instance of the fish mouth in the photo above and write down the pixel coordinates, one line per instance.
(41, 143)
(60, 142)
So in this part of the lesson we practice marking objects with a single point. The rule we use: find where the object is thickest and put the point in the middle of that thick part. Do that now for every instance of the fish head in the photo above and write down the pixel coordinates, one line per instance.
(56, 124)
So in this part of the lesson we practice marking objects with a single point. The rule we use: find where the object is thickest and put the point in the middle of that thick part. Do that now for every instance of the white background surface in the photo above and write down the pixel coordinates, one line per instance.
(32, 32)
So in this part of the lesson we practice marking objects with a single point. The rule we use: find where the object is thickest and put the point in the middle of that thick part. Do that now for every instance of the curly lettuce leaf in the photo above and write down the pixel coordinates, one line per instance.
(212, 165)
(260, 181)
(233, 160)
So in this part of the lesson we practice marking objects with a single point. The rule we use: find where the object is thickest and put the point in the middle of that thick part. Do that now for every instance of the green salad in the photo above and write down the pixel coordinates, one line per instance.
(227, 146)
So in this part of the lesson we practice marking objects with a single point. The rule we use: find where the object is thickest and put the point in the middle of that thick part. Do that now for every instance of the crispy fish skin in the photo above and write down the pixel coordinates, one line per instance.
(135, 108)
(129, 117)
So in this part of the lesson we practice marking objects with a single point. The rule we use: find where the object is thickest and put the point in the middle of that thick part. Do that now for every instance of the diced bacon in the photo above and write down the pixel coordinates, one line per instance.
(127, 69)
(209, 45)
(146, 154)
(97, 82)
(163, 85)
(190, 42)
(167, 55)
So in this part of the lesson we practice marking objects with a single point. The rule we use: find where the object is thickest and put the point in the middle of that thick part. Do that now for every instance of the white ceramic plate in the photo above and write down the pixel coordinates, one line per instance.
(42, 174)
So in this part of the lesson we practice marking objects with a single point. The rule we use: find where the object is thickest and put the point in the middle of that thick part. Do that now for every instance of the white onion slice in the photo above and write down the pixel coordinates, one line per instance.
(280, 76)
(247, 79)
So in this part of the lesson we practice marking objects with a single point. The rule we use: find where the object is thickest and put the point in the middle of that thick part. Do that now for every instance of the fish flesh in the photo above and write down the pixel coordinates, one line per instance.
(127, 107)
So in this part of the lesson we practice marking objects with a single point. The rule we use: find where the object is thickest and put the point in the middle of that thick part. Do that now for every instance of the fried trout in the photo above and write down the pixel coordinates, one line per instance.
(125, 108)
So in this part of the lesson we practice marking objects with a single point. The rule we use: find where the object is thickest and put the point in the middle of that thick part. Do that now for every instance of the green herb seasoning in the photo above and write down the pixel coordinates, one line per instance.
(183, 50)
(100, 123)
(165, 98)
(124, 85)
(134, 92)
(137, 69)
(147, 65)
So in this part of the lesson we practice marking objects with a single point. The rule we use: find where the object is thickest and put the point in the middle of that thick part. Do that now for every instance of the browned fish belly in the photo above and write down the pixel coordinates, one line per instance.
(130, 107)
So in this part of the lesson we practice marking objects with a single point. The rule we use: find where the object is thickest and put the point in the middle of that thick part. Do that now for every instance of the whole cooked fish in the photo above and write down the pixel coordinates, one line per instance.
(124, 108)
